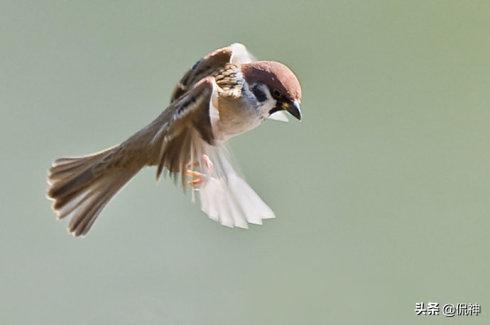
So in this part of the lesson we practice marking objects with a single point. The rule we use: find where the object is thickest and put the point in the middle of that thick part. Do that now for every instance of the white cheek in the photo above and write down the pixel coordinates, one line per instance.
(266, 106)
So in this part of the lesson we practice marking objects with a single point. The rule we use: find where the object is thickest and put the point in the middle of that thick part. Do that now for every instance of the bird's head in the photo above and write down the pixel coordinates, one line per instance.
(275, 85)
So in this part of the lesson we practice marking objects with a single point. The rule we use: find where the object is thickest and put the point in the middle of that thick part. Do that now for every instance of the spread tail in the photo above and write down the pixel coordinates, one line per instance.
(81, 187)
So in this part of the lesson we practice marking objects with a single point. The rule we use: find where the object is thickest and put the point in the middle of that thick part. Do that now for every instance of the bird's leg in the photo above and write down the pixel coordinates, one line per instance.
(197, 179)
(207, 162)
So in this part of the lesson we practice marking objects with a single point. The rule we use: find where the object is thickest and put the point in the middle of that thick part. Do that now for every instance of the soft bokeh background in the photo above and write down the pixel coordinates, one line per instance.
(382, 192)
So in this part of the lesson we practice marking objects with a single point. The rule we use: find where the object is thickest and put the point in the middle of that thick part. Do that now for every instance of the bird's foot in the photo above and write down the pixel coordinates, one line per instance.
(196, 178)
(207, 162)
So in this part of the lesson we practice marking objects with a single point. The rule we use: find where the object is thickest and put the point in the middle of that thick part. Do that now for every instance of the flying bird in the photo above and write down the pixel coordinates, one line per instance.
(224, 94)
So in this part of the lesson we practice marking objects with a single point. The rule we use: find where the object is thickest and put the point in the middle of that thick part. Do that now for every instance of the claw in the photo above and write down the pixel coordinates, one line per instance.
(196, 178)
(193, 173)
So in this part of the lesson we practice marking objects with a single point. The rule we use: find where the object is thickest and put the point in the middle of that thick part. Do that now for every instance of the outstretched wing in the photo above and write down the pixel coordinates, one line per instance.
(177, 137)
(235, 53)
(225, 197)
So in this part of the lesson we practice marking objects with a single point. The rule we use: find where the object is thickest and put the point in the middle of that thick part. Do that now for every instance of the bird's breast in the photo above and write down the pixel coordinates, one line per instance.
(236, 116)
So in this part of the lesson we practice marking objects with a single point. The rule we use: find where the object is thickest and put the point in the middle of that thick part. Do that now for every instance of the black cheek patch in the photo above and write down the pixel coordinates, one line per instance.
(259, 94)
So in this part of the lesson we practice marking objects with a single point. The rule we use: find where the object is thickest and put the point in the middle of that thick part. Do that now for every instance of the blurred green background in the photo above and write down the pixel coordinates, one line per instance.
(381, 193)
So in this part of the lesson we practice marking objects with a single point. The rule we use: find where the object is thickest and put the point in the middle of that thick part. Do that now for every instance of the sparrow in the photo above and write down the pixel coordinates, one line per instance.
(226, 93)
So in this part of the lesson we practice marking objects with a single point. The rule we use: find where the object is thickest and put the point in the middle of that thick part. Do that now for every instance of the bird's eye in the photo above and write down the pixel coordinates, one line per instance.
(276, 93)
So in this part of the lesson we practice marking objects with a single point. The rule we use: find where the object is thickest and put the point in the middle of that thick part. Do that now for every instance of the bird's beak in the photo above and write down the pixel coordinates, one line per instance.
(293, 108)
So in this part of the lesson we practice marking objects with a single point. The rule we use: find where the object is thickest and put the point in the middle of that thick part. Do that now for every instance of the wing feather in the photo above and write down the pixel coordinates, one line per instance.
(236, 53)
(225, 196)
(177, 136)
